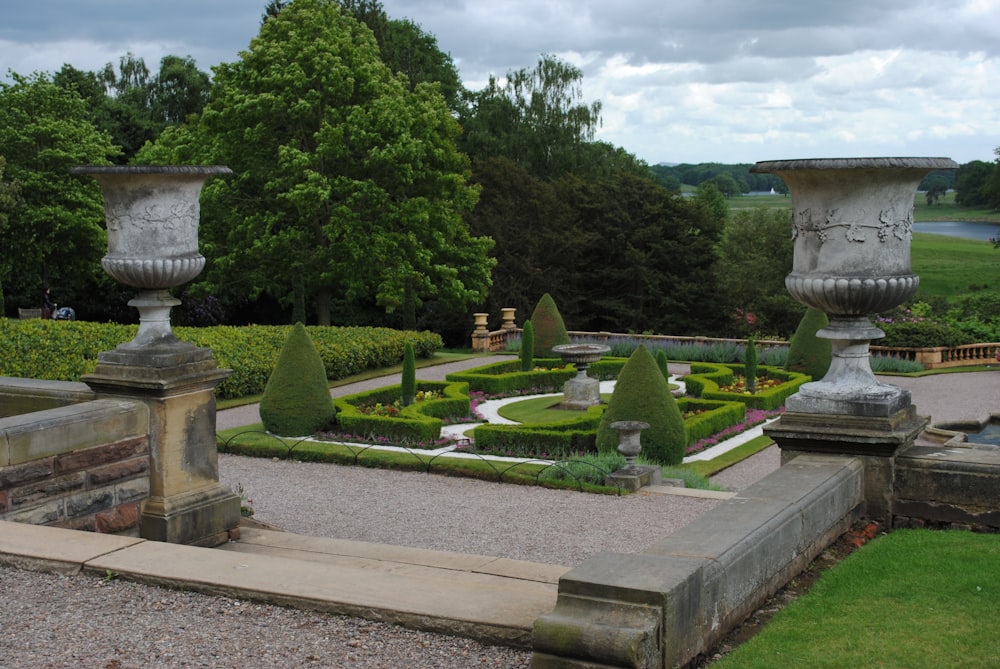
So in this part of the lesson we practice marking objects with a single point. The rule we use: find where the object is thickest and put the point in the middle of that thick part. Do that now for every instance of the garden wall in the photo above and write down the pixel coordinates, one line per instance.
(68, 460)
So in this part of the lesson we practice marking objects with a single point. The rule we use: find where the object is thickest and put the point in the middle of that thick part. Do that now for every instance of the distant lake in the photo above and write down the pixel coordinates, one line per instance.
(965, 230)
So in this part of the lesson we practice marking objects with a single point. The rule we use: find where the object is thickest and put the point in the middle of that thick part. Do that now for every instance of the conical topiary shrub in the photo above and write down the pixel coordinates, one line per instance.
(750, 365)
(663, 363)
(527, 347)
(549, 327)
(296, 400)
(642, 393)
(408, 381)
(807, 353)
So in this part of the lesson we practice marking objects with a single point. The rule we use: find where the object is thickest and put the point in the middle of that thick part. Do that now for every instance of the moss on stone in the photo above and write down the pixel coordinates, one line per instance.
(296, 400)
(642, 394)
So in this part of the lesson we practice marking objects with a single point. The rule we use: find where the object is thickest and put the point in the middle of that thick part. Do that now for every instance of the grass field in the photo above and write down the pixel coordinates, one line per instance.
(945, 210)
(918, 599)
(948, 266)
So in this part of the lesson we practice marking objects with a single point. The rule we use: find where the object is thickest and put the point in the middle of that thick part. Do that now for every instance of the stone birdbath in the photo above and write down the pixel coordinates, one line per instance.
(581, 392)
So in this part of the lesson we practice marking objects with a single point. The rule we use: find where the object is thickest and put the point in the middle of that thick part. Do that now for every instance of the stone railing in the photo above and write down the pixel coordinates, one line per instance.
(940, 357)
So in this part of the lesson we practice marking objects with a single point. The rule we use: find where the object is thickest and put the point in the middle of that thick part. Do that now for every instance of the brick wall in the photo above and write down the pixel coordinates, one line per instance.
(97, 489)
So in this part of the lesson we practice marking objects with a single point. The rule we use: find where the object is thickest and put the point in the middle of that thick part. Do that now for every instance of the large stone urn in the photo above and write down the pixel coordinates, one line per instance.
(852, 225)
(152, 216)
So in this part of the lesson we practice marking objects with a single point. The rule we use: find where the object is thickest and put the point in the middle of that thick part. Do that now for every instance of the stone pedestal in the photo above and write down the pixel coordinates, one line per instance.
(877, 440)
(581, 392)
(187, 504)
(634, 477)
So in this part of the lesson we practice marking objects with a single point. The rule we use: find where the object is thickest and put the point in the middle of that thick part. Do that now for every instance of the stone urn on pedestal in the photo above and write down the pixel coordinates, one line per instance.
(852, 223)
(581, 392)
(152, 216)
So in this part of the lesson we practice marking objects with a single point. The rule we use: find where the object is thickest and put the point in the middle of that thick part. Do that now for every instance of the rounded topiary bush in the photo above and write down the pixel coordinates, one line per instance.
(642, 393)
(807, 353)
(550, 330)
(296, 400)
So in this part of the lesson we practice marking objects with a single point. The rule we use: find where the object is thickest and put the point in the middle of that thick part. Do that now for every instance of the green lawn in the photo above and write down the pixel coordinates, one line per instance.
(914, 599)
(948, 265)
(945, 210)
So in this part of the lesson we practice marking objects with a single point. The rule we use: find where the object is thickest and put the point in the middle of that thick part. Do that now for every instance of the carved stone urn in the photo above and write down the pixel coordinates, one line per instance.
(152, 215)
(852, 225)
(581, 392)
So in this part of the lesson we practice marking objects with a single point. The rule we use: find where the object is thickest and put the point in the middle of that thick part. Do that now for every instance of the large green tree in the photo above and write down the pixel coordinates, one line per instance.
(54, 234)
(755, 255)
(8, 202)
(534, 117)
(348, 187)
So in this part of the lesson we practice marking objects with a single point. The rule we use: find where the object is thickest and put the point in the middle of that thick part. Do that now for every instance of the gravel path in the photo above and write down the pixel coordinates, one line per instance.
(53, 622)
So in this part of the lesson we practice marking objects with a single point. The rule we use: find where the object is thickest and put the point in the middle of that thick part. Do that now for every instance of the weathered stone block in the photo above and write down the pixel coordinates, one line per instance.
(90, 501)
(118, 519)
(42, 514)
(55, 487)
(90, 458)
(118, 471)
(136, 489)
(14, 475)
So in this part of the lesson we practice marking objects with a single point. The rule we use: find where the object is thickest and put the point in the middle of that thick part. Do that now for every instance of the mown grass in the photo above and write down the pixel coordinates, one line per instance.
(948, 266)
(944, 210)
(918, 599)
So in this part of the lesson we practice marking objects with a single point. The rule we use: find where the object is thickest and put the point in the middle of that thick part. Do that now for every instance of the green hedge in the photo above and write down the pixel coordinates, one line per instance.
(66, 350)
(578, 434)
(418, 423)
(706, 378)
(549, 375)
(551, 441)
(716, 417)
(506, 378)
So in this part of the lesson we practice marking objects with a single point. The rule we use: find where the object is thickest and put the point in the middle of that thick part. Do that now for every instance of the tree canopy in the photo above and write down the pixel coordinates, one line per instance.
(53, 234)
(348, 188)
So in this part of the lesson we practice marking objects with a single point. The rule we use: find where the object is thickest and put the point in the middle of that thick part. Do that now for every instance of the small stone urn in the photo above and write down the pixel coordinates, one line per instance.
(852, 225)
(629, 438)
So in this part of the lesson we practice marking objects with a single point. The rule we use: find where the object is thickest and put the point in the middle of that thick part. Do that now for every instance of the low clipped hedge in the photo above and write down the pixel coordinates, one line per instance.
(715, 416)
(551, 440)
(549, 375)
(419, 422)
(705, 380)
(579, 434)
(66, 350)
(506, 378)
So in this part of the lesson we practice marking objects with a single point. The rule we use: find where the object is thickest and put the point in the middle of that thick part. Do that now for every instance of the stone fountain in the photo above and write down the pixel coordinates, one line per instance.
(582, 391)
(152, 217)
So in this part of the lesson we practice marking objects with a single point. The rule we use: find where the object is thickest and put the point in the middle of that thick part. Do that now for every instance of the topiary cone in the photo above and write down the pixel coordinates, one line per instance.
(549, 327)
(807, 353)
(408, 384)
(527, 347)
(296, 400)
(642, 393)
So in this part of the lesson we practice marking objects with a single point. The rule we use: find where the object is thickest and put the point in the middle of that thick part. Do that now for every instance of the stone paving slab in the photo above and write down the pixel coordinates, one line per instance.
(53, 549)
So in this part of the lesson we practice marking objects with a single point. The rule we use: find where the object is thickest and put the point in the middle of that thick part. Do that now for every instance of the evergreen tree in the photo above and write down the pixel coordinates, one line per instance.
(296, 400)
(527, 347)
(642, 394)
(750, 365)
(807, 353)
(409, 380)
(549, 327)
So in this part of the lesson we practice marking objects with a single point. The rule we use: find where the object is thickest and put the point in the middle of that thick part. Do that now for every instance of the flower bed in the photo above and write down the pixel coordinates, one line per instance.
(418, 423)
(709, 381)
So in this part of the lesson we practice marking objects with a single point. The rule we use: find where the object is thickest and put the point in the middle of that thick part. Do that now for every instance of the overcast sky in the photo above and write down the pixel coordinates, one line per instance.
(705, 81)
